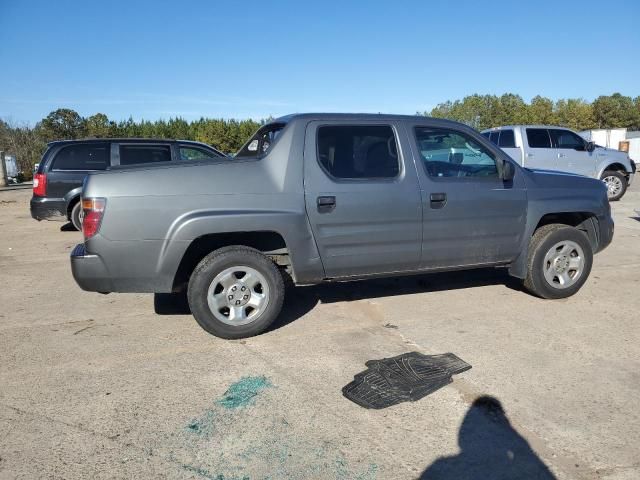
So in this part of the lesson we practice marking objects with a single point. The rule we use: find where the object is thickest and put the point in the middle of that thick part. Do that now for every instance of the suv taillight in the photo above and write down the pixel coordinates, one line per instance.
(93, 209)
(40, 184)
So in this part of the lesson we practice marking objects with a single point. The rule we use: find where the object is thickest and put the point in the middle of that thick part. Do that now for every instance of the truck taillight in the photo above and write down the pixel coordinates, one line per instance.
(93, 209)
(40, 184)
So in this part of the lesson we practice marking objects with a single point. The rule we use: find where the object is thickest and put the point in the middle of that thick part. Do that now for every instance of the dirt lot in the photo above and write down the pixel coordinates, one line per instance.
(95, 386)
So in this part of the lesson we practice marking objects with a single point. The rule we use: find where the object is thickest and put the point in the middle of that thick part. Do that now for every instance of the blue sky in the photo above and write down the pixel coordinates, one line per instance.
(246, 59)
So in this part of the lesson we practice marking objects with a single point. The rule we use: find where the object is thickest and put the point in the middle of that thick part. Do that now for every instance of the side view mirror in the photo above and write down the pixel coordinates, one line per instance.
(508, 171)
(590, 147)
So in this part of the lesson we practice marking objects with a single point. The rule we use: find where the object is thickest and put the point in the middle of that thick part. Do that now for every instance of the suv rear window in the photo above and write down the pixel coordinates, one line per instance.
(94, 156)
(354, 151)
(136, 154)
(538, 138)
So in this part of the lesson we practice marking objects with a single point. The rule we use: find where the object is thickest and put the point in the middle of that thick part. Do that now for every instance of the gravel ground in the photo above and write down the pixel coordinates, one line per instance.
(95, 386)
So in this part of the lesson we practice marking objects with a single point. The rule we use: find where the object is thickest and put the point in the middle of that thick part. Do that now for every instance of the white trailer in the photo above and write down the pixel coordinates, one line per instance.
(609, 138)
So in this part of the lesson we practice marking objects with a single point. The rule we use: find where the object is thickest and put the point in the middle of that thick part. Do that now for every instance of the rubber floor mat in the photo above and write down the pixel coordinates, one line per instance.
(405, 378)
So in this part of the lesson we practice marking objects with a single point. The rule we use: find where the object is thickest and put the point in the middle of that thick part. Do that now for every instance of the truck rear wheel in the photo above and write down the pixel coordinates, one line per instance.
(560, 259)
(236, 292)
(616, 184)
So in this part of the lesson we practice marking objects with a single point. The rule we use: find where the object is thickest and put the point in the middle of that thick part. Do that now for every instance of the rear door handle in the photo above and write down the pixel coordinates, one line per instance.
(326, 204)
(438, 200)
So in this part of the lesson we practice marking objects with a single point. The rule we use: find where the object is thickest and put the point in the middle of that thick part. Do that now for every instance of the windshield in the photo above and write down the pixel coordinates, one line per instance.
(261, 141)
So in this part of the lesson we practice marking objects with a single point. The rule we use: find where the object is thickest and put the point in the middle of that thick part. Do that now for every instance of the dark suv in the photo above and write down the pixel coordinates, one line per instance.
(57, 184)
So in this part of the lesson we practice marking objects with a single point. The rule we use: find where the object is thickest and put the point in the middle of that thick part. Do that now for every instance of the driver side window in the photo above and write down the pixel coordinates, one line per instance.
(448, 153)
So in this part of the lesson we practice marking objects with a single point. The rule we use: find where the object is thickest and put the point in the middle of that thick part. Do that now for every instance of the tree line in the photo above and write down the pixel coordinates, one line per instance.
(486, 111)
(28, 143)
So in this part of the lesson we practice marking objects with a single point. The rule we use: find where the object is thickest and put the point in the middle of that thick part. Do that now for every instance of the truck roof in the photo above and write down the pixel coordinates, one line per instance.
(524, 126)
(124, 139)
(352, 116)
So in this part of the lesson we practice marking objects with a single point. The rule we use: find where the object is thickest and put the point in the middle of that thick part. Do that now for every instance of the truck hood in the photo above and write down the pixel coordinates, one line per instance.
(553, 179)
(610, 151)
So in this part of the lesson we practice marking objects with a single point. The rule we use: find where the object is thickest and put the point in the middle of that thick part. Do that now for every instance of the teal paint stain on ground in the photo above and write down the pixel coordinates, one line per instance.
(203, 472)
(202, 425)
(243, 392)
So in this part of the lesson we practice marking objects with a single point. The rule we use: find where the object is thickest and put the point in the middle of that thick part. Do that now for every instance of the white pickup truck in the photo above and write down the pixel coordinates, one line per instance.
(555, 148)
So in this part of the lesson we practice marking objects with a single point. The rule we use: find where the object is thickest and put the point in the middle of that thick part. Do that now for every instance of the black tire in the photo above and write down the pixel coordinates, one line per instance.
(623, 184)
(76, 221)
(541, 243)
(226, 258)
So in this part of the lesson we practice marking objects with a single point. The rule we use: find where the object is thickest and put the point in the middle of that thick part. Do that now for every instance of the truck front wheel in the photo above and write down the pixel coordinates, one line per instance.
(236, 292)
(616, 184)
(560, 259)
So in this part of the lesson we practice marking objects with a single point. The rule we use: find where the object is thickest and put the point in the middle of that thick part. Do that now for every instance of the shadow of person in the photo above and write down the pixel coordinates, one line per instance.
(489, 449)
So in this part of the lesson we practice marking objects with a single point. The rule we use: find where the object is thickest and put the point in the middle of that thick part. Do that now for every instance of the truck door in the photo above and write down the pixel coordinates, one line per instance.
(572, 153)
(539, 152)
(362, 197)
(471, 216)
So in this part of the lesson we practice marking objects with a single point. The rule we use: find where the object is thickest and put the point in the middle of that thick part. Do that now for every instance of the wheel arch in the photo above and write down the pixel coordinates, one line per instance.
(268, 242)
(72, 198)
(615, 167)
(584, 221)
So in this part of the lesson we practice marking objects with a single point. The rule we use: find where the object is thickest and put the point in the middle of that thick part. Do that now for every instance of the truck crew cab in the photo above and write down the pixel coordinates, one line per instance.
(331, 197)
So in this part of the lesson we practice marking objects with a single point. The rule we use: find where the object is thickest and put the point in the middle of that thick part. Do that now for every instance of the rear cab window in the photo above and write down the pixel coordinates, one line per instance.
(507, 139)
(358, 151)
(262, 141)
(136, 154)
(89, 156)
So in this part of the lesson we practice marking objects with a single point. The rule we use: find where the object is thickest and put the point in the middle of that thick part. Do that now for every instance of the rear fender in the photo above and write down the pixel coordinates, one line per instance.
(292, 226)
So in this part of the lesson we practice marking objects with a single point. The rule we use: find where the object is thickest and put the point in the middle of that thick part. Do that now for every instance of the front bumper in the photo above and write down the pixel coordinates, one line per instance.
(43, 207)
(605, 234)
(89, 271)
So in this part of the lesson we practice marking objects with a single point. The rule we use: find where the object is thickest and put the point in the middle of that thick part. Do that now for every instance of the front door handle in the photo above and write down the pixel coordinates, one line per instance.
(326, 204)
(438, 200)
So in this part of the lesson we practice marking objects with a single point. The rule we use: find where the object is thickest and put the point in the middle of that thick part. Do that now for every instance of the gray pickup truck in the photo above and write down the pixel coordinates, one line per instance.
(331, 197)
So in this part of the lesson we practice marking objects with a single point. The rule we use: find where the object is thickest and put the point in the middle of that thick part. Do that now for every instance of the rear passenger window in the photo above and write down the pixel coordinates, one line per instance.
(538, 138)
(486, 134)
(494, 136)
(136, 154)
(358, 151)
(94, 156)
(507, 139)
